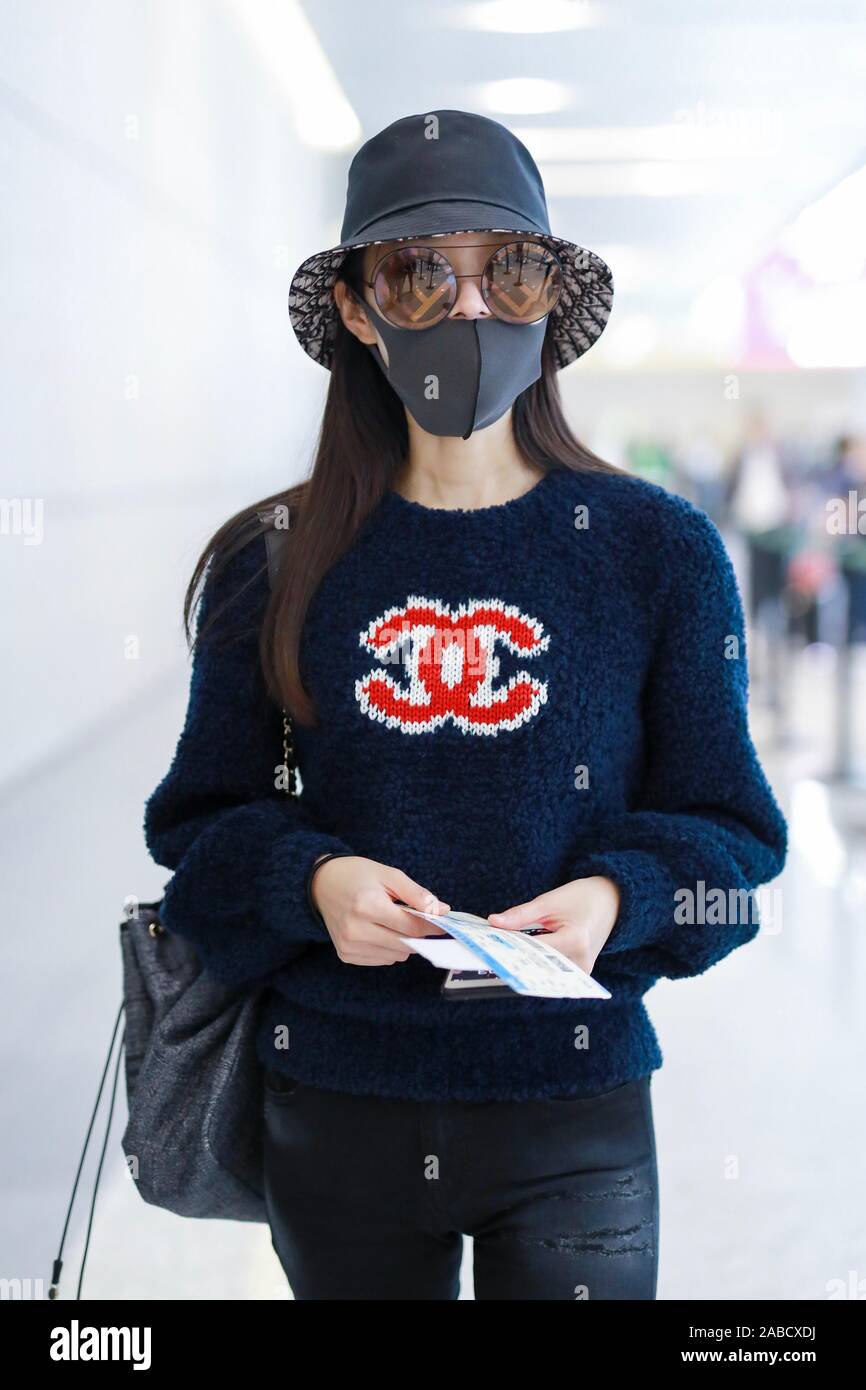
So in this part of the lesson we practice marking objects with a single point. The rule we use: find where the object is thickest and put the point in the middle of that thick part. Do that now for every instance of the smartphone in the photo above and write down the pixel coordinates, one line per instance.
(465, 984)
(479, 984)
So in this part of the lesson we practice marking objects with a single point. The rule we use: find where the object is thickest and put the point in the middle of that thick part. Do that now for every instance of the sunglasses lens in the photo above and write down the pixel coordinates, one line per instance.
(415, 287)
(523, 282)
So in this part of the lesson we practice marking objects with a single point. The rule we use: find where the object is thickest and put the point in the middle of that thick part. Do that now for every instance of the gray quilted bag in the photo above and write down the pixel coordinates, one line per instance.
(193, 1140)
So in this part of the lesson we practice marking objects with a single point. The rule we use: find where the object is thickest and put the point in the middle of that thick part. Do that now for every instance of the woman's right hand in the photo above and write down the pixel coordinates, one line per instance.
(356, 899)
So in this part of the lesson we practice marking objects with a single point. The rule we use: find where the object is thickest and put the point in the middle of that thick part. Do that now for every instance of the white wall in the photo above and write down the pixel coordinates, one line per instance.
(156, 201)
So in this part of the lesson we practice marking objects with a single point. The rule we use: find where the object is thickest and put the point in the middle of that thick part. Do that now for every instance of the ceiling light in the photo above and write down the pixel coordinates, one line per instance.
(717, 317)
(289, 48)
(524, 96)
(542, 17)
(678, 140)
(828, 327)
(641, 180)
(828, 239)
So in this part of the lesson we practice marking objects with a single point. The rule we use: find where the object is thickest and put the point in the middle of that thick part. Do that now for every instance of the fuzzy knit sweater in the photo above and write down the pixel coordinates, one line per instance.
(510, 698)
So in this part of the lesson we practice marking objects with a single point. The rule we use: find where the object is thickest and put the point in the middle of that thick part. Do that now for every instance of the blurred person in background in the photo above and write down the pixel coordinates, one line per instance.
(845, 520)
(700, 466)
(651, 459)
(759, 507)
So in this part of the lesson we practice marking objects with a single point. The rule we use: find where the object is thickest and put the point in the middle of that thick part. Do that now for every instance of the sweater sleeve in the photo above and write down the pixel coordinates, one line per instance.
(706, 830)
(239, 846)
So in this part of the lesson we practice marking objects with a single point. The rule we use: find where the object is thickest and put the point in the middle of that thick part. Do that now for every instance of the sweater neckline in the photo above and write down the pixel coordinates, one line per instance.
(497, 511)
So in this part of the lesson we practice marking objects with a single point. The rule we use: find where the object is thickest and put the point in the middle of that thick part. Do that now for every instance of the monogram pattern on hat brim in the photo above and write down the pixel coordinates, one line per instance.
(578, 319)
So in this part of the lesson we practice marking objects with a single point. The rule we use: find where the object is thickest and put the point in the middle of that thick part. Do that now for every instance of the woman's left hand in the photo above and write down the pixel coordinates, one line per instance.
(580, 915)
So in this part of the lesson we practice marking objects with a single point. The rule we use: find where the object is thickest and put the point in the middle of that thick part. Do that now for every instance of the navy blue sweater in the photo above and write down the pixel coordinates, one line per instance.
(510, 698)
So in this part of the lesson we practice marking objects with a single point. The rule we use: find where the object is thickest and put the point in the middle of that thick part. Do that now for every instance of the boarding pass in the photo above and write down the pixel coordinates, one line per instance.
(528, 964)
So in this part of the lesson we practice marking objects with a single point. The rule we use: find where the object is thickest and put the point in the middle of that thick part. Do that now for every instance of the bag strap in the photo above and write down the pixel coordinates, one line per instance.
(58, 1263)
(275, 540)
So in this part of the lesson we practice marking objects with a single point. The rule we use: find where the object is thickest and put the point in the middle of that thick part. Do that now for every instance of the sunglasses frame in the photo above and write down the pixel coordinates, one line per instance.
(411, 244)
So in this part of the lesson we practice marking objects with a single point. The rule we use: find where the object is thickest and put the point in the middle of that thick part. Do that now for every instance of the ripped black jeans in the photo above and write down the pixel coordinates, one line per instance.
(368, 1197)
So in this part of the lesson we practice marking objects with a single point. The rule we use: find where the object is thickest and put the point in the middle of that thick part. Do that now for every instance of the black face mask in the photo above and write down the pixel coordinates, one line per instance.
(462, 374)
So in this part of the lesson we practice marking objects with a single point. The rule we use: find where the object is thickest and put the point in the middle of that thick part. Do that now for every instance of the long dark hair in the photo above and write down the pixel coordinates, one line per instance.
(362, 446)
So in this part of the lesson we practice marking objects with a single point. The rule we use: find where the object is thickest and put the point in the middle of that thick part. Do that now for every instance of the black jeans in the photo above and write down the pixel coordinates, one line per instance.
(368, 1197)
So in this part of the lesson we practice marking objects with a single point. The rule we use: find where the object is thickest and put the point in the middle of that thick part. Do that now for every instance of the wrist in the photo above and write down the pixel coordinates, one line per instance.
(317, 864)
(607, 902)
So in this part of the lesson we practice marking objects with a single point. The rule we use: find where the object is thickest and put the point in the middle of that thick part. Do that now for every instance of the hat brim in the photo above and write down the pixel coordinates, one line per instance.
(578, 318)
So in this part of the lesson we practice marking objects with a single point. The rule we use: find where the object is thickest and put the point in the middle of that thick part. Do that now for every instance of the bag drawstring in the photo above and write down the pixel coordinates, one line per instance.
(58, 1263)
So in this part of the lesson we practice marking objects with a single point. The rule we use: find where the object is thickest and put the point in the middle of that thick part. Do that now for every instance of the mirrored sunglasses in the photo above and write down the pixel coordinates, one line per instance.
(416, 286)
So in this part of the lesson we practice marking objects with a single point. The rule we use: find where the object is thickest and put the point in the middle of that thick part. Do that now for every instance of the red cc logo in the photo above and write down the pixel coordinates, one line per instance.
(449, 666)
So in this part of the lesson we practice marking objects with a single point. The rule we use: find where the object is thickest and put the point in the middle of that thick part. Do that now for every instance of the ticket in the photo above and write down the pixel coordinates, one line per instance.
(528, 964)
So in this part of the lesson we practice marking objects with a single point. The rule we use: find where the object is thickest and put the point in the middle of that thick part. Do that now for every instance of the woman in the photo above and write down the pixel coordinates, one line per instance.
(518, 689)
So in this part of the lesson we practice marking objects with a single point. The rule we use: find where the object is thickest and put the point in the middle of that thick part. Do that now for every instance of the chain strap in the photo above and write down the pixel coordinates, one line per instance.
(289, 756)
(288, 731)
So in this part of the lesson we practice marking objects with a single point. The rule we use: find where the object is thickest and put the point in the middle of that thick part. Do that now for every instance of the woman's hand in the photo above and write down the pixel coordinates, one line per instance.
(356, 899)
(580, 915)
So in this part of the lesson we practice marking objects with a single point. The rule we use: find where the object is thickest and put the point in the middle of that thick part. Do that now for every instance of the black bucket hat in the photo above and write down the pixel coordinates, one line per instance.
(437, 174)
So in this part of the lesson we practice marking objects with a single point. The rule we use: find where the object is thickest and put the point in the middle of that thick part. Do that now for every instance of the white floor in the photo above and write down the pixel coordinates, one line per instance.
(759, 1106)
